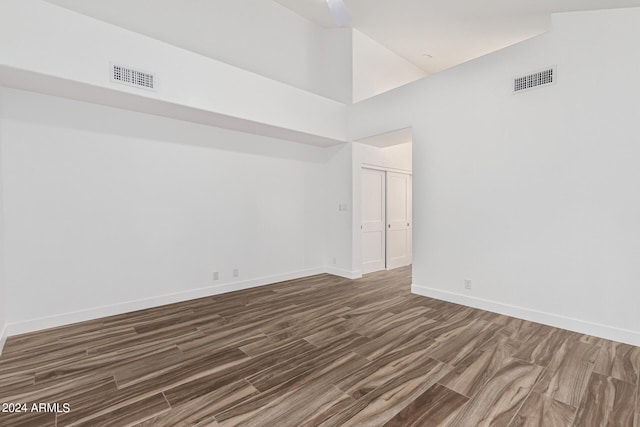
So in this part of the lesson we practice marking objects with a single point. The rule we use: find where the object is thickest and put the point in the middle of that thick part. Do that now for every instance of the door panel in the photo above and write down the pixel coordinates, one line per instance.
(373, 220)
(398, 210)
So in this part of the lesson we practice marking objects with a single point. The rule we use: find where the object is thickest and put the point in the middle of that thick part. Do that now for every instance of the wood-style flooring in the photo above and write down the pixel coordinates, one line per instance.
(319, 351)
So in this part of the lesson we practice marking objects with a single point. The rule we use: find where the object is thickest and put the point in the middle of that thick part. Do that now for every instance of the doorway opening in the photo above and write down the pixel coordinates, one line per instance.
(386, 200)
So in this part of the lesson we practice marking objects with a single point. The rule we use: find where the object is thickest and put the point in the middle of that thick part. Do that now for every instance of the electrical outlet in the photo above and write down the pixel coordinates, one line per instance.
(467, 284)
(334, 260)
(216, 276)
(236, 272)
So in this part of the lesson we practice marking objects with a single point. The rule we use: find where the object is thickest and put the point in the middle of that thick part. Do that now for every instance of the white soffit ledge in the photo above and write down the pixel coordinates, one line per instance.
(52, 50)
(48, 85)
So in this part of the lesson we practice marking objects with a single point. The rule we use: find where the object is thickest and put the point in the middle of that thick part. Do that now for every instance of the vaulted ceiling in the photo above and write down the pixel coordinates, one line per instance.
(432, 34)
(438, 34)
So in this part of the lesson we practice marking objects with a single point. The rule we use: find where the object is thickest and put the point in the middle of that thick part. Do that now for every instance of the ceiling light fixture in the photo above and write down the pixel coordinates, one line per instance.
(339, 12)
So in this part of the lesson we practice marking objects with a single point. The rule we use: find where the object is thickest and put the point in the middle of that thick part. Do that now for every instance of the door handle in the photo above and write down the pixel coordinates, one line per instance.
(389, 225)
(407, 224)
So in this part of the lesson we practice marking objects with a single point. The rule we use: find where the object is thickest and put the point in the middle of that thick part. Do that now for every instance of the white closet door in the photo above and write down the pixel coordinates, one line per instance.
(398, 212)
(373, 220)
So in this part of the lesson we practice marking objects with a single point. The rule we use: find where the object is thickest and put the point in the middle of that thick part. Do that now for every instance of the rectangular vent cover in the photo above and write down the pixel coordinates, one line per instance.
(131, 77)
(530, 81)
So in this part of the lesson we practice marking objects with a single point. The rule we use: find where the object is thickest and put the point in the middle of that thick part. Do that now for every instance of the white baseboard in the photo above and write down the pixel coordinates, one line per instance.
(3, 337)
(582, 326)
(141, 304)
(344, 273)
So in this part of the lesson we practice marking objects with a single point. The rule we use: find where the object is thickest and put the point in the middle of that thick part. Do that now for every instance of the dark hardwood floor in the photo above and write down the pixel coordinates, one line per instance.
(320, 351)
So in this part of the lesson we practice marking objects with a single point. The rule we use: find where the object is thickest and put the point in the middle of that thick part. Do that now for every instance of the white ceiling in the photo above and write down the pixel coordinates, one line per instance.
(432, 34)
(396, 137)
(451, 31)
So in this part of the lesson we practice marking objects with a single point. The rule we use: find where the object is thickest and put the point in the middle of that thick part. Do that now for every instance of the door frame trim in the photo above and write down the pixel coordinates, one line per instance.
(383, 174)
(385, 169)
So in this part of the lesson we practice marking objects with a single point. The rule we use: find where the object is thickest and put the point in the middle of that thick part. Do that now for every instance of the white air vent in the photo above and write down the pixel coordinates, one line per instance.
(533, 80)
(131, 77)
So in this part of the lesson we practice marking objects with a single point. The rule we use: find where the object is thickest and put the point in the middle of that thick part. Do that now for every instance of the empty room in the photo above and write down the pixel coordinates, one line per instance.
(319, 213)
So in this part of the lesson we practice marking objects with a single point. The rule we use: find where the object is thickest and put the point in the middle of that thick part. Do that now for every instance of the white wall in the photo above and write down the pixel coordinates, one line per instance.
(3, 299)
(332, 64)
(43, 39)
(259, 36)
(376, 69)
(393, 157)
(108, 210)
(533, 196)
(340, 211)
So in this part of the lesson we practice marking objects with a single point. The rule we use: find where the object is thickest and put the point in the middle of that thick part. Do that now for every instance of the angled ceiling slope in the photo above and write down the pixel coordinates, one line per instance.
(438, 34)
